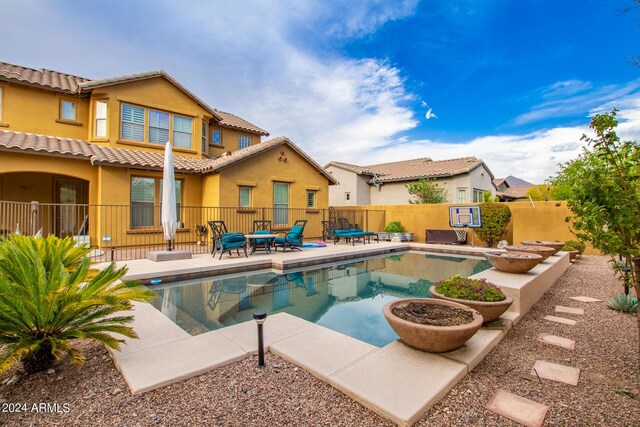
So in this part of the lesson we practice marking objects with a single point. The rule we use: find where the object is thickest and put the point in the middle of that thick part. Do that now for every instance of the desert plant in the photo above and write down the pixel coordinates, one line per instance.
(574, 245)
(394, 227)
(426, 190)
(469, 289)
(45, 306)
(624, 303)
(495, 218)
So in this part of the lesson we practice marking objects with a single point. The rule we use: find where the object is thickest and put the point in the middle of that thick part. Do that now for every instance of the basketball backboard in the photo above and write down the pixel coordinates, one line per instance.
(465, 216)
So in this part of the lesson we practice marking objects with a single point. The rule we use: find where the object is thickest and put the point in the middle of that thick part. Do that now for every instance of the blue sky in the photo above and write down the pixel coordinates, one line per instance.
(511, 82)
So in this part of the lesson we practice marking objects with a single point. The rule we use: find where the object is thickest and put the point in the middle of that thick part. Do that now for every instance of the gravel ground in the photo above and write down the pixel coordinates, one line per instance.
(282, 394)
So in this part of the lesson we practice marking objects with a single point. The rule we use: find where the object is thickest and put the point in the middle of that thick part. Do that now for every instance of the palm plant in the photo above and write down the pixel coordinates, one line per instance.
(46, 302)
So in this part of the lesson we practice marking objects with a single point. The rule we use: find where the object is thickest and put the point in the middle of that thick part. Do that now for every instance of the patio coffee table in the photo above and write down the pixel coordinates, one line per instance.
(267, 240)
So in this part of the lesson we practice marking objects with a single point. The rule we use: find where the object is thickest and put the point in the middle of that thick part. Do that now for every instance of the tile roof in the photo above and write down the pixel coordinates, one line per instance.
(50, 79)
(67, 83)
(412, 169)
(516, 192)
(99, 155)
(233, 121)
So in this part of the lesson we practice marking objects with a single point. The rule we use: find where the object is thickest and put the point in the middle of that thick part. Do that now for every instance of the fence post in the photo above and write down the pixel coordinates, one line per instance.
(34, 217)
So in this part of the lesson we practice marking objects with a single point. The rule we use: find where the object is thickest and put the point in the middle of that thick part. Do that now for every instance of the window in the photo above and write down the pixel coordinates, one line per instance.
(204, 137)
(100, 125)
(67, 110)
(462, 195)
(347, 196)
(245, 197)
(280, 203)
(132, 128)
(311, 199)
(244, 142)
(478, 195)
(181, 131)
(216, 137)
(143, 192)
(158, 127)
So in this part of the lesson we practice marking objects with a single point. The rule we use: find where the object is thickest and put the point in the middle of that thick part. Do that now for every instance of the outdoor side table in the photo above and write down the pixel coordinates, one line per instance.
(267, 240)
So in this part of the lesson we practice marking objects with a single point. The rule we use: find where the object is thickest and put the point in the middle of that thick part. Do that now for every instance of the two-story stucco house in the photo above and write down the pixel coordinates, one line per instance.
(464, 180)
(72, 140)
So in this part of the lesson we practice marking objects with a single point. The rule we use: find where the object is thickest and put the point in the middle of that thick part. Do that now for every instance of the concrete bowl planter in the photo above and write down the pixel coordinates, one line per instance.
(513, 262)
(434, 339)
(490, 311)
(557, 246)
(544, 251)
(573, 255)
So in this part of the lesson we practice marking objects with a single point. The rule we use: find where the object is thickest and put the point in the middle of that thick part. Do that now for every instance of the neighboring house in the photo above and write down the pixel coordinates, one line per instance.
(68, 139)
(464, 179)
(510, 189)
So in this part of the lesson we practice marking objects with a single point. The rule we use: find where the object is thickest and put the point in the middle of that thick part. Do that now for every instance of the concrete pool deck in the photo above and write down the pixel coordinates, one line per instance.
(395, 381)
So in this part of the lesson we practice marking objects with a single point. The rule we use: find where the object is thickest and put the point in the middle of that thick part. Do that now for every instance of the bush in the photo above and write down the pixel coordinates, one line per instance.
(495, 218)
(574, 245)
(624, 303)
(469, 289)
(394, 227)
(46, 302)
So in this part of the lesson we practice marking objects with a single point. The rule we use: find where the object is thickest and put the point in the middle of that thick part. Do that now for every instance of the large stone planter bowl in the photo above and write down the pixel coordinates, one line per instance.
(543, 251)
(513, 262)
(434, 339)
(557, 246)
(490, 311)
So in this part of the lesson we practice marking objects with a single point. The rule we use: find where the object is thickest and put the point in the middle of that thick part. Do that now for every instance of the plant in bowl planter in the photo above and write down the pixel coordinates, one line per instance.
(432, 325)
(479, 294)
(396, 230)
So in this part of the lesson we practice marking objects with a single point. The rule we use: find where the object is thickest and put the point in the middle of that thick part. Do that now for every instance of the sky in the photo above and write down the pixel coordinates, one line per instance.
(513, 82)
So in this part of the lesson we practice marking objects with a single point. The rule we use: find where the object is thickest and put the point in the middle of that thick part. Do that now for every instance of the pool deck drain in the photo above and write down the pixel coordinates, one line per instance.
(395, 381)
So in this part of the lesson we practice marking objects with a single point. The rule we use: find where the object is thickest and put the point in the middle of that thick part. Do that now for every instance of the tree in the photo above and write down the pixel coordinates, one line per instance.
(495, 218)
(426, 191)
(47, 301)
(603, 192)
(487, 197)
(542, 193)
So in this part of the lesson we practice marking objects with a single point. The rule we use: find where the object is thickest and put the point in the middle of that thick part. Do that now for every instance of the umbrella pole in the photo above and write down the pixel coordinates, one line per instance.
(169, 245)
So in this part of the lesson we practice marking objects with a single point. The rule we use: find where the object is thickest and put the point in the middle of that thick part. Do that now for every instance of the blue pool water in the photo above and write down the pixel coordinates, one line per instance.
(347, 297)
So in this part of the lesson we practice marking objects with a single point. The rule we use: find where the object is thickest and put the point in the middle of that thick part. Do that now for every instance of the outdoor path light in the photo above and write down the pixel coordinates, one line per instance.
(260, 317)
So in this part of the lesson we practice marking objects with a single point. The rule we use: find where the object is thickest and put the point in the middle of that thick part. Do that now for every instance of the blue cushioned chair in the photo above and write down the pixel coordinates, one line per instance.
(222, 241)
(345, 225)
(329, 231)
(293, 238)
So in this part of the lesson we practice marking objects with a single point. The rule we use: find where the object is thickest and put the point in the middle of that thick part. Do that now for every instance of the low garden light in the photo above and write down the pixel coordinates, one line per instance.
(260, 317)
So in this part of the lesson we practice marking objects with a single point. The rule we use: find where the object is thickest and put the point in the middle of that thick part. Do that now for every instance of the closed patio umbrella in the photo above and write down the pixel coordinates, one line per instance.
(168, 205)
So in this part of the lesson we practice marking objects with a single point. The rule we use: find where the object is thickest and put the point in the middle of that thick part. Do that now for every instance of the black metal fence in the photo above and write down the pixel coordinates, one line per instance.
(121, 232)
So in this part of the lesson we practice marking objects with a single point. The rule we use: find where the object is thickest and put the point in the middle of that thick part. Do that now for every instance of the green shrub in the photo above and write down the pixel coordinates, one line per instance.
(574, 245)
(46, 302)
(495, 218)
(469, 289)
(624, 303)
(394, 227)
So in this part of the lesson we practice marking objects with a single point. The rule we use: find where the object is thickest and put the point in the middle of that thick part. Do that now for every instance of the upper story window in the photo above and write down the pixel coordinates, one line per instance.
(244, 141)
(216, 137)
(478, 195)
(132, 127)
(182, 128)
(158, 127)
(462, 195)
(204, 137)
(68, 110)
(100, 126)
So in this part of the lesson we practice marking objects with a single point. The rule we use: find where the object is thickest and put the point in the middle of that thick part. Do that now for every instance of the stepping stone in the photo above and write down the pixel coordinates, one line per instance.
(557, 341)
(556, 372)
(562, 320)
(569, 310)
(585, 299)
(518, 409)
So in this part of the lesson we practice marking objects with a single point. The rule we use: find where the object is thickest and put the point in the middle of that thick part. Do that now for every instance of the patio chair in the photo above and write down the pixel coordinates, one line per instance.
(222, 241)
(330, 231)
(293, 239)
(345, 225)
(261, 227)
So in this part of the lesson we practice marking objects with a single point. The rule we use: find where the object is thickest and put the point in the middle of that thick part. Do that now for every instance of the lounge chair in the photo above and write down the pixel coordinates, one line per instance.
(329, 231)
(293, 238)
(222, 241)
(345, 225)
(261, 227)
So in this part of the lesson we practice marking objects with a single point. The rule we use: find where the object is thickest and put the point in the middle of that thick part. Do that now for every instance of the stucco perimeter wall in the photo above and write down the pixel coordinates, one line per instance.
(544, 221)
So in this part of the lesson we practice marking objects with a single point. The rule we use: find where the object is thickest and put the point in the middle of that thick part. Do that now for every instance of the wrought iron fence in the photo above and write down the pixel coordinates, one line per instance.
(121, 232)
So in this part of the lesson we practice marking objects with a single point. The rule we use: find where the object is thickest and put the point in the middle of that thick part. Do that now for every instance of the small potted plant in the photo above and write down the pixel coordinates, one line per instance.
(396, 230)
(479, 294)
(432, 325)
(575, 248)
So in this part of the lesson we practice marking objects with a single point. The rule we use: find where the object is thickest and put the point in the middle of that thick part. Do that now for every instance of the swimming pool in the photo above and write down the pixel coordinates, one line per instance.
(347, 297)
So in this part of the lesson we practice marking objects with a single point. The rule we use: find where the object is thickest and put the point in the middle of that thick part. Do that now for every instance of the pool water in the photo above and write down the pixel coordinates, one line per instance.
(347, 297)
